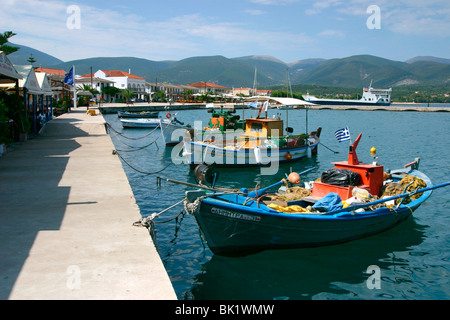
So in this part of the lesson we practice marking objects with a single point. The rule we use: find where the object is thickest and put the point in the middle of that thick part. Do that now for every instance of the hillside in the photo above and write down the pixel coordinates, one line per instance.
(214, 69)
(350, 72)
(21, 56)
(140, 67)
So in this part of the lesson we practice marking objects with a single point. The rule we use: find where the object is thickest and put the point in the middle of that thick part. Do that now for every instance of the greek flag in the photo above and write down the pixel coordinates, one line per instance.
(68, 79)
(254, 104)
(342, 135)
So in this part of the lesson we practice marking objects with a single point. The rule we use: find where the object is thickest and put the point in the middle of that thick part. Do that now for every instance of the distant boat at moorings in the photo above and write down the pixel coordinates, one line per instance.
(351, 201)
(143, 123)
(371, 97)
(138, 115)
(261, 142)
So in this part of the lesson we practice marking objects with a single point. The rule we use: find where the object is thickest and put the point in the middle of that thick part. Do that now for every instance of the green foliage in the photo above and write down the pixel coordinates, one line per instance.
(4, 37)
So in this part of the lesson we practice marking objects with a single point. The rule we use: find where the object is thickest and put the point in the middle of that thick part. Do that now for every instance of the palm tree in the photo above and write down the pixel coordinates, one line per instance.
(127, 93)
(4, 39)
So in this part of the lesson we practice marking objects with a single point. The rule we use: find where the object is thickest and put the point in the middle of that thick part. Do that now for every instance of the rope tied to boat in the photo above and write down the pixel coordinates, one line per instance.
(193, 208)
(148, 221)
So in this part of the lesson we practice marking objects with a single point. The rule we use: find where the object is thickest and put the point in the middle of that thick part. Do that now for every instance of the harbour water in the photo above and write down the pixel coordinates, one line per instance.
(413, 257)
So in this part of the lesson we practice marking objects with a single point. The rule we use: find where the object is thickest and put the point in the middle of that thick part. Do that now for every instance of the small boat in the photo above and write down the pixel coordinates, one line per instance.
(261, 142)
(143, 123)
(221, 121)
(174, 132)
(243, 222)
(137, 115)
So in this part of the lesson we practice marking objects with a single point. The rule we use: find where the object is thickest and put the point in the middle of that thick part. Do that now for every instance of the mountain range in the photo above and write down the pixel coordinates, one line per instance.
(352, 72)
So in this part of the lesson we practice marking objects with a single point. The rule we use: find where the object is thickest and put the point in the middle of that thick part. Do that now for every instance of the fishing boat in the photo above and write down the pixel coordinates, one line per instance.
(370, 97)
(174, 132)
(332, 211)
(222, 120)
(137, 115)
(143, 123)
(261, 141)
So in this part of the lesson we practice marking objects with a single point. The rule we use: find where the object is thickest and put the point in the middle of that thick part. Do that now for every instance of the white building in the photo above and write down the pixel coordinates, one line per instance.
(122, 80)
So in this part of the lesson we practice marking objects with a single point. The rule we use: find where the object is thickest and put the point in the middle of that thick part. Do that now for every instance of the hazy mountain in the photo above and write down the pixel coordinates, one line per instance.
(214, 69)
(428, 58)
(21, 56)
(351, 72)
(140, 67)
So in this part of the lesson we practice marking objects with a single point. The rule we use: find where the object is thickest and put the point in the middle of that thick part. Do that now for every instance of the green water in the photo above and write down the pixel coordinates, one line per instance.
(413, 257)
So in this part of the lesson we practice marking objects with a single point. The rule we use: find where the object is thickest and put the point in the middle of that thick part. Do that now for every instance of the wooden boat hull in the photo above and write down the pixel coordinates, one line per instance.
(231, 228)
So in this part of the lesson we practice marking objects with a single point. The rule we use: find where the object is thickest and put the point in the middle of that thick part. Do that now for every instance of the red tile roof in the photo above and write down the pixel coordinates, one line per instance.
(204, 84)
(116, 73)
(51, 71)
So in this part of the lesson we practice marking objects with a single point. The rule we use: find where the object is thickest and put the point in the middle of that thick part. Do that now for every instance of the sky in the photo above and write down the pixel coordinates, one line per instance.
(288, 30)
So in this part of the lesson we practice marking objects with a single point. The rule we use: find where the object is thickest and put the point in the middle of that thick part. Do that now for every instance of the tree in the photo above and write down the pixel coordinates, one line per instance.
(111, 91)
(31, 59)
(7, 49)
(127, 93)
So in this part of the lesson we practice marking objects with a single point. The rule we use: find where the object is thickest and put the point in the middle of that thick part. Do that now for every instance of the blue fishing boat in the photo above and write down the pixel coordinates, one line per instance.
(351, 201)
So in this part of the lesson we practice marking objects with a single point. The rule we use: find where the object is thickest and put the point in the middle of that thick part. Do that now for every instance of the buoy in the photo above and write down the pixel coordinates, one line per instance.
(294, 178)
(258, 156)
(288, 156)
(168, 115)
(373, 151)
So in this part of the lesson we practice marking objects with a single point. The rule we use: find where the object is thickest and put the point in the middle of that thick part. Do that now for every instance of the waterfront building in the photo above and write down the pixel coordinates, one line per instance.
(122, 80)
(205, 87)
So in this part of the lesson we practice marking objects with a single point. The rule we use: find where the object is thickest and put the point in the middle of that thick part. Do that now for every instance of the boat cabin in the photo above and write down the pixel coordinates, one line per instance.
(371, 177)
(224, 120)
(257, 130)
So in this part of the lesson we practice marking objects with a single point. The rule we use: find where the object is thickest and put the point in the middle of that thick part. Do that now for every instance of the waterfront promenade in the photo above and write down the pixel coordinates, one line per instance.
(66, 218)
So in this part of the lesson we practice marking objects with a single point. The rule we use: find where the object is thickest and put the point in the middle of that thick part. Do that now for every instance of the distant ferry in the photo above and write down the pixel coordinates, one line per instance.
(371, 97)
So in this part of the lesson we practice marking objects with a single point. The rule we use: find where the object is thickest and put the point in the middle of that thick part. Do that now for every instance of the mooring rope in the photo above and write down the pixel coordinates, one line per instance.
(140, 171)
(146, 222)
(108, 125)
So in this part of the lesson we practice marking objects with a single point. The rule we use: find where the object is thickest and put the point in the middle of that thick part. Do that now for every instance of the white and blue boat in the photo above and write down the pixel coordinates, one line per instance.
(370, 97)
(262, 142)
(237, 223)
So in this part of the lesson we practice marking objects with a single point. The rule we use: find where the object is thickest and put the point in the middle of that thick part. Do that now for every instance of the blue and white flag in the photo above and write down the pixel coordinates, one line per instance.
(68, 79)
(254, 104)
(342, 135)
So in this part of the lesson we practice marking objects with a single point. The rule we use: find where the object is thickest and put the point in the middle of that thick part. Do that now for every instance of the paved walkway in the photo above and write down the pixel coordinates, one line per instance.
(66, 215)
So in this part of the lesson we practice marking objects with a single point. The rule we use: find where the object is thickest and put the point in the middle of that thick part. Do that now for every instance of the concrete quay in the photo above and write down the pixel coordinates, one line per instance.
(66, 215)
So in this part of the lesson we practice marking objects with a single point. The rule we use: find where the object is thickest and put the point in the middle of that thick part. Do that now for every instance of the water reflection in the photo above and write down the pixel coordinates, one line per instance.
(313, 273)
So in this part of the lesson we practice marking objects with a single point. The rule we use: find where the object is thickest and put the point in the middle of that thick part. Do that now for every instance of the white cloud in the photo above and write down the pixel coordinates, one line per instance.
(332, 34)
(255, 12)
(274, 2)
(41, 24)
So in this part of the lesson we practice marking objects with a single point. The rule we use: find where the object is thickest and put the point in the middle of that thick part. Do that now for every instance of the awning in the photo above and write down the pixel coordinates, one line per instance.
(8, 74)
(283, 101)
(43, 84)
(31, 83)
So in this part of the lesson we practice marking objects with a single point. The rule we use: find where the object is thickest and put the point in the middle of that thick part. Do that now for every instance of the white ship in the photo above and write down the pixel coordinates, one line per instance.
(371, 97)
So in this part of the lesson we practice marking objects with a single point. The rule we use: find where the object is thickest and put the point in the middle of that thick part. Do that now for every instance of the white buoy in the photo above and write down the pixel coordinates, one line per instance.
(258, 156)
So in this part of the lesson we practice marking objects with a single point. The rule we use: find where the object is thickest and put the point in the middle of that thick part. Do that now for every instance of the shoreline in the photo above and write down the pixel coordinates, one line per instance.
(110, 108)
